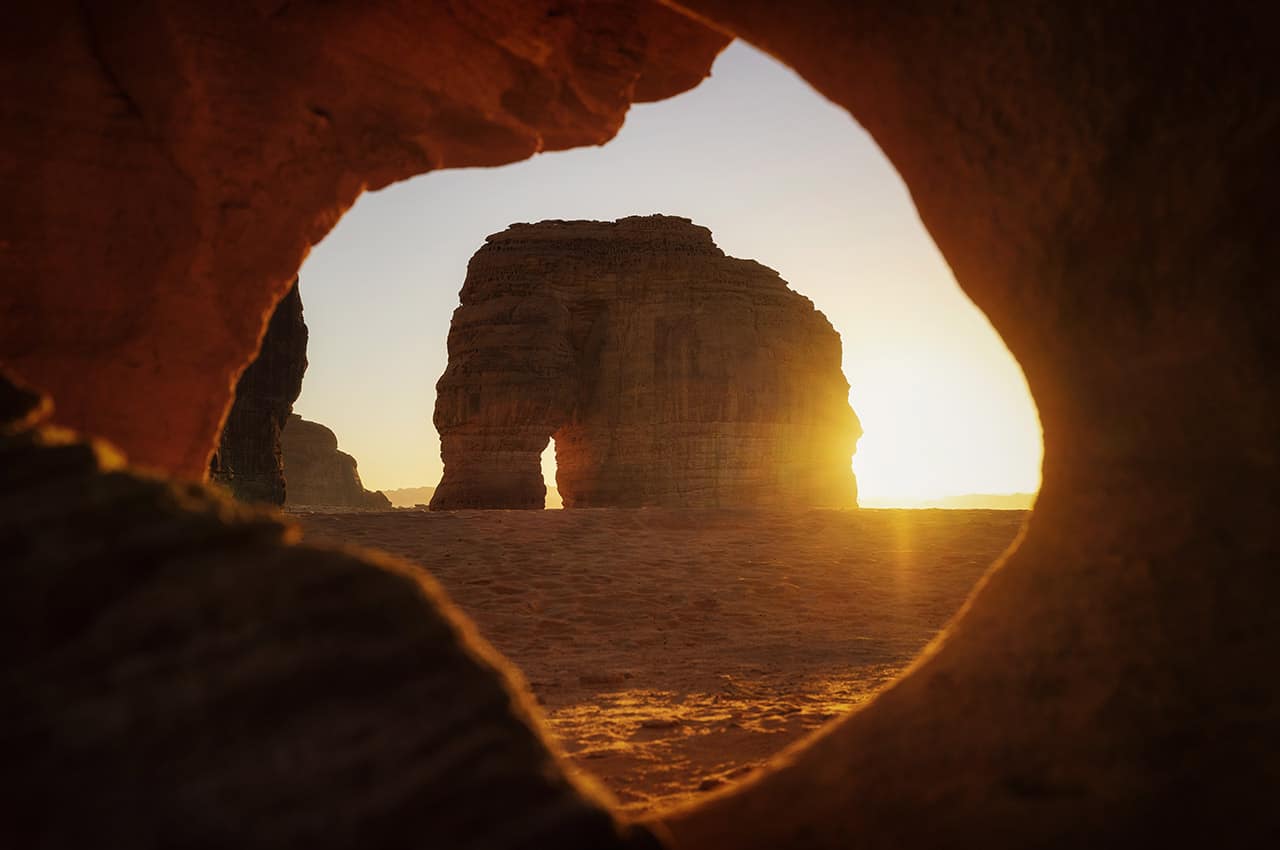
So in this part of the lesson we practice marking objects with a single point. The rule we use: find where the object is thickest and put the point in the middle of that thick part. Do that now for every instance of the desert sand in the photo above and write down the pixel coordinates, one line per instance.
(676, 651)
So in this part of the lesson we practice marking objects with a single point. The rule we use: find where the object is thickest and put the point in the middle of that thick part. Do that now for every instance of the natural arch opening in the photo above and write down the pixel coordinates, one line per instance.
(939, 389)
(774, 622)
(1100, 178)
(549, 477)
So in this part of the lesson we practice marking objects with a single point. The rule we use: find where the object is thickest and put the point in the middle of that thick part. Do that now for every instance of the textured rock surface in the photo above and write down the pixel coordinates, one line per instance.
(178, 671)
(1101, 178)
(249, 461)
(668, 373)
(319, 474)
(166, 167)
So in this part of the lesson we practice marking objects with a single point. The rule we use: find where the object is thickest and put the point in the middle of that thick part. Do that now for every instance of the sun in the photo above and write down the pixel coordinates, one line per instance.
(934, 427)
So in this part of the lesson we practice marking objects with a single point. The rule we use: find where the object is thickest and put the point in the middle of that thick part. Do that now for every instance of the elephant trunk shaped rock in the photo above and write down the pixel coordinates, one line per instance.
(667, 372)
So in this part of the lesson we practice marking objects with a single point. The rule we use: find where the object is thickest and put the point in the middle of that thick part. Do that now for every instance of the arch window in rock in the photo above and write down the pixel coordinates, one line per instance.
(183, 670)
(698, 382)
(944, 407)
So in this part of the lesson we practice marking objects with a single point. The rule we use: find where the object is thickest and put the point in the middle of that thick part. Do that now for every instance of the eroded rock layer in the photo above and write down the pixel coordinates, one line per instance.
(249, 461)
(668, 374)
(319, 474)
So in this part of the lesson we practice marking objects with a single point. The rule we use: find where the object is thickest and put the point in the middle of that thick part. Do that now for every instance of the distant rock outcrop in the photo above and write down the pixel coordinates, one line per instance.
(248, 460)
(319, 474)
(667, 372)
(409, 497)
(412, 497)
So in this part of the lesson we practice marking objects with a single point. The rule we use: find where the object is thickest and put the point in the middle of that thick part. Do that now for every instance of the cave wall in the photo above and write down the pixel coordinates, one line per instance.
(668, 373)
(1101, 178)
(167, 166)
(249, 461)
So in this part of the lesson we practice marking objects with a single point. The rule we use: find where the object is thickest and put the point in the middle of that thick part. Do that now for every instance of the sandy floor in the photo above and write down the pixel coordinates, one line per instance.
(676, 651)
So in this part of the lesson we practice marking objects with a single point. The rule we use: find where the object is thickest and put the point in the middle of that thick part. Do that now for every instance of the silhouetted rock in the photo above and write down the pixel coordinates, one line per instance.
(256, 656)
(668, 373)
(319, 474)
(249, 461)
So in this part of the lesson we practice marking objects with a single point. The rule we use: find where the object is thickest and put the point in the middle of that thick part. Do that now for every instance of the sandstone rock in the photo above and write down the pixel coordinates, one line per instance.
(668, 374)
(197, 151)
(1102, 179)
(320, 475)
(249, 461)
(180, 672)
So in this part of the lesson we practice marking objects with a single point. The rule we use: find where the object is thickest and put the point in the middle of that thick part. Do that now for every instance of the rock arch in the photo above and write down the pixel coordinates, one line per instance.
(736, 396)
(1100, 177)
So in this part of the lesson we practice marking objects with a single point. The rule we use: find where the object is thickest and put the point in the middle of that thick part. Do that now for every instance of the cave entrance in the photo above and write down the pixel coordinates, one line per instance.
(674, 651)
(944, 406)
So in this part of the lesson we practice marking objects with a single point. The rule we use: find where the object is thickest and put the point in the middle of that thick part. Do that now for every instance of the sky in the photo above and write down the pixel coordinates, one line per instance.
(780, 175)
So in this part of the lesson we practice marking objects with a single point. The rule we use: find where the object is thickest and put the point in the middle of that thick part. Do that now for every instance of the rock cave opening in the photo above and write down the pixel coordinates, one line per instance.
(1101, 178)
(630, 361)
(947, 418)
(941, 400)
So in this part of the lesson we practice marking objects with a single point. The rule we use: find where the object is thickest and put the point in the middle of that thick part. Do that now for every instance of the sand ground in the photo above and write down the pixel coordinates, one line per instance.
(675, 651)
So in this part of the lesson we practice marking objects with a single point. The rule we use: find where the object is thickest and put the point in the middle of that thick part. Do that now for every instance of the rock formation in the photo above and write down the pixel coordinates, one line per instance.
(256, 655)
(668, 373)
(1102, 179)
(249, 461)
(228, 139)
(320, 475)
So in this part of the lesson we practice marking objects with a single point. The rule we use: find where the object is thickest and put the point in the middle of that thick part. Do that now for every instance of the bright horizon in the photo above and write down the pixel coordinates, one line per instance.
(779, 175)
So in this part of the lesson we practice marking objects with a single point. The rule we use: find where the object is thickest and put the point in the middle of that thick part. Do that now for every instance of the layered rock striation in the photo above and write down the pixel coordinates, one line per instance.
(667, 372)
(249, 461)
(321, 475)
